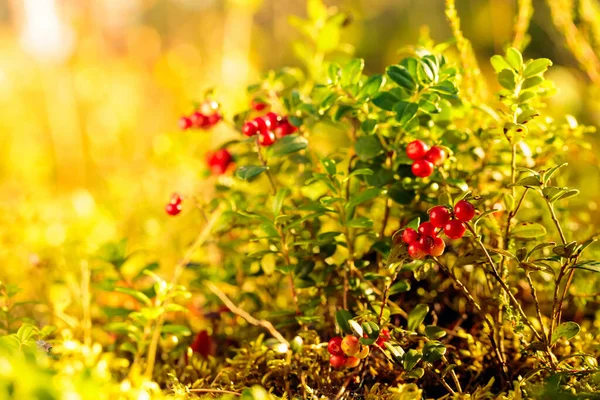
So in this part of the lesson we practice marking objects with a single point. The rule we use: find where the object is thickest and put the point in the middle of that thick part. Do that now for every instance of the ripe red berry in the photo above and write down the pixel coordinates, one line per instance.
(435, 155)
(250, 128)
(213, 119)
(409, 235)
(219, 161)
(176, 199)
(272, 120)
(199, 120)
(416, 150)
(267, 138)
(427, 229)
(337, 361)
(415, 251)
(262, 125)
(384, 336)
(439, 216)
(258, 105)
(173, 209)
(350, 345)
(422, 168)
(203, 344)
(455, 229)
(438, 247)
(425, 243)
(284, 129)
(464, 211)
(334, 347)
(352, 362)
(185, 123)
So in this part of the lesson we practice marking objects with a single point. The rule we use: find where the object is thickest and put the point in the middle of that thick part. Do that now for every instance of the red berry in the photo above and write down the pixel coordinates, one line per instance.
(438, 247)
(409, 235)
(173, 209)
(284, 129)
(384, 336)
(334, 347)
(213, 119)
(199, 120)
(455, 229)
(219, 161)
(464, 211)
(176, 199)
(352, 362)
(415, 251)
(250, 128)
(350, 345)
(337, 361)
(427, 229)
(272, 120)
(258, 105)
(435, 155)
(439, 216)
(416, 150)
(262, 125)
(185, 123)
(425, 243)
(203, 344)
(267, 138)
(422, 168)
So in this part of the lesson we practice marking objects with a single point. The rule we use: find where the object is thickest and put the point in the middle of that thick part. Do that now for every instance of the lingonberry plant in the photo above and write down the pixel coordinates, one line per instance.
(397, 235)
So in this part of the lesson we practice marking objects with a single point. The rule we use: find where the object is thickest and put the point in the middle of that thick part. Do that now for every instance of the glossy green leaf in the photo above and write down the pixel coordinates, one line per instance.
(528, 230)
(368, 147)
(536, 67)
(568, 330)
(417, 316)
(341, 318)
(288, 144)
(248, 172)
(400, 75)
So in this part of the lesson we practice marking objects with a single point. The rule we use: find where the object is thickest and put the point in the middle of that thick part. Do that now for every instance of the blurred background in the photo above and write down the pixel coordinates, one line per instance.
(91, 91)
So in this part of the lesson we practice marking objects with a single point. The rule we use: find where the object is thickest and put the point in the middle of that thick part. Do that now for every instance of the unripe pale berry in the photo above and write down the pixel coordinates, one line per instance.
(337, 361)
(464, 211)
(435, 155)
(439, 216)
(438, 247)
(352, 362)
(422, 168)
(363, 353)
(409, 235)
(266, 139)
(334, 347)
(416, 150)
(350, 345)
(427, 228)
(455, 229)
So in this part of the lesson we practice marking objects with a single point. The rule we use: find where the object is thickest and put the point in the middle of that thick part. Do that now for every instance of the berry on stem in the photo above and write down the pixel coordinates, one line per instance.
(199, 120)
(260, 122)
(258, 105)
(337, 361)
(250, 128)
(334, 347)
(214, 118)
(455, 229)
(464, 211)
(438, 247)
(422, 168)
(352, 362)
(272, 120)
(439, 216)
(435, 155)
(175, 199)
(363, 353)
(266, 139)
(425, 243)
(415, 251)
(219, 160)
(350, 345)
(173, 209)
(384, 336)
(427, 229)
(416, 149)
(185, 123)
(409, 235)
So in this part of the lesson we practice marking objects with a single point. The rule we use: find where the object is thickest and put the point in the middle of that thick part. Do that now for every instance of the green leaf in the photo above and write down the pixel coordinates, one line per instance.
(362, 197)
(282, 193)
(371, 330)
(434, 332)
(360, 222)
(528, 230)
(385, 100)
(341, 318)
(368, 147)
(568, 330)
(341, 111)
(531, 82)
(352, 71)
(181, 330)
(141, 297)
(593, 266)
(416, 373)
(405, 111)
(248, 172)
(499, 63)
(536, 67)
(400, 75)
(433, 351)
(25, 333)
(417, 316)
(507, 78)
(514, 58)
(400, 287)
(411, 358)
(370, 87)
(288, 144)
(548, 174)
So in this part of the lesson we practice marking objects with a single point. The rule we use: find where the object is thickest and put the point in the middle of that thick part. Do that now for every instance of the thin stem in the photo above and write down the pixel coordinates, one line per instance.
(558, 227)
(263, 161)
(453, 375)
(386, 294)
(215, 391)
(286, 257)
(443, 382)
(537, 305)
(249, 318)
(562, 297)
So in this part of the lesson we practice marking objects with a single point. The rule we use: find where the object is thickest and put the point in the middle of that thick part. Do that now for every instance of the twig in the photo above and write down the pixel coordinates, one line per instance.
(215, 391)
(264, 163)
(249, 318)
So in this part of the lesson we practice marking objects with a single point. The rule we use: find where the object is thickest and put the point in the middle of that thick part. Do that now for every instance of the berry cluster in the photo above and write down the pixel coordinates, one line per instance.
(269, 127)
(218, 161)
(174, 206)
(204, 118)
(424, 158)
(425, 241)
(346, 352)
